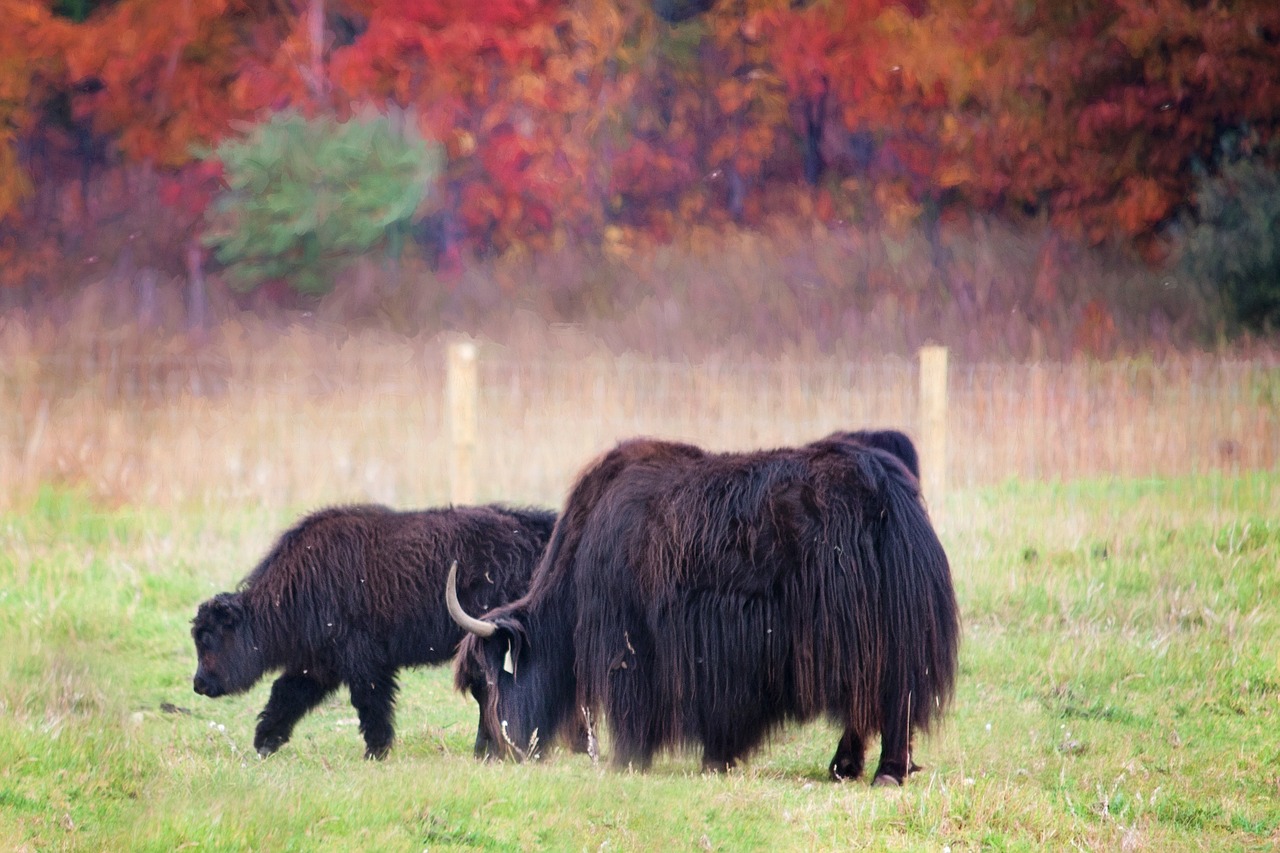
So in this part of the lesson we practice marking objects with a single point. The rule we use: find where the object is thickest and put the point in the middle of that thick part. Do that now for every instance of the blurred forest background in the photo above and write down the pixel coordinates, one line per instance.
(235, 236)
(1015, 180)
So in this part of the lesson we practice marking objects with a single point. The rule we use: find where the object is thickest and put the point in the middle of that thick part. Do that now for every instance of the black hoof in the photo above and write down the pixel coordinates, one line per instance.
(842, 772)
(269, 746)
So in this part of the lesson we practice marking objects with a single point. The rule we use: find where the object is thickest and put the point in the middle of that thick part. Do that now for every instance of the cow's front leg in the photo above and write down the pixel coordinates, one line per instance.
(848, 761)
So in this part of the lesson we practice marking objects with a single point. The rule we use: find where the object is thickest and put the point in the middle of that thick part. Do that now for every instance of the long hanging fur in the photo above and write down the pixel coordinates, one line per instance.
(705, 599)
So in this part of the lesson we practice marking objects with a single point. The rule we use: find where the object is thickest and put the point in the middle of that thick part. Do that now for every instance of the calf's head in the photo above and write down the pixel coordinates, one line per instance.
(227, 658)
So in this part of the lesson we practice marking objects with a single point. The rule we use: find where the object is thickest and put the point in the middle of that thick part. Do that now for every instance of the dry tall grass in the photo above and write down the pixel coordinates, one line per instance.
(299, 417)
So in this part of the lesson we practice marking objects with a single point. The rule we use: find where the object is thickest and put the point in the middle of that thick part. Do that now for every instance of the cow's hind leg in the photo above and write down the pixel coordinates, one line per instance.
(848, 761)
(895, 763)
(885, 776)
(374, 699)
(292, 696)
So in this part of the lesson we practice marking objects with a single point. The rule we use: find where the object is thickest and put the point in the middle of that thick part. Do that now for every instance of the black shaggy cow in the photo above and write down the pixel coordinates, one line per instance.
(705, 599)
(351, 594)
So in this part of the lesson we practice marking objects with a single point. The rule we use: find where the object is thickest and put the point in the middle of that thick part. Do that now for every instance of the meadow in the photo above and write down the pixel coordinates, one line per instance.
(1120, 669)
(1119, 690)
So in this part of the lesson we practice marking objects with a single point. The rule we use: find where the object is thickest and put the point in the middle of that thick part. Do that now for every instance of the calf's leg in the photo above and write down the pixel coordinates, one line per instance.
(292, 696)
(374, 698)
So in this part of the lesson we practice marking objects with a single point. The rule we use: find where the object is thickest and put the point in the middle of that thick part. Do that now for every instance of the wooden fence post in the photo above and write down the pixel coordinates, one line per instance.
(461, 393)
(933, 422)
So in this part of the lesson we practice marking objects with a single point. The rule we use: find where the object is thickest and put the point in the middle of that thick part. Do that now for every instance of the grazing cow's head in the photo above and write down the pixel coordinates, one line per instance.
(227, 659)
(494, 664)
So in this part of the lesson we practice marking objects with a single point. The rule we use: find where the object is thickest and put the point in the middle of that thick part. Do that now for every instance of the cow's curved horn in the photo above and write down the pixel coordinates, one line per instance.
(470, 624)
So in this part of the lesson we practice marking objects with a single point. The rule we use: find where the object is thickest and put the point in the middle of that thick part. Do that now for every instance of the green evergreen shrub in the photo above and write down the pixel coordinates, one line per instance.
(1233, 241)
(305, 196)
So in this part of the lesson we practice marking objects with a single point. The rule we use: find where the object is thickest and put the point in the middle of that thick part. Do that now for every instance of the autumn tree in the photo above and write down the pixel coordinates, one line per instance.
(32, 41)
(174, 74)
(572, 119)
(1093, 113)
(498, 84)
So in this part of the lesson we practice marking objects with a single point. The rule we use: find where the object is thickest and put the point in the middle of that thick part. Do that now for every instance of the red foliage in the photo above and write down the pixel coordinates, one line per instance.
(560, 118)
(190, 190)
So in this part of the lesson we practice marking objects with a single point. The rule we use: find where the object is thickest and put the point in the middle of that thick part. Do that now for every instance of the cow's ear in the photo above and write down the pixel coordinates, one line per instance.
(226, 611)
(512, 646)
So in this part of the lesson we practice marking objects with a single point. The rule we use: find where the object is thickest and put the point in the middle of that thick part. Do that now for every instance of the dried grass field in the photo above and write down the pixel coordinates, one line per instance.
(305, 417)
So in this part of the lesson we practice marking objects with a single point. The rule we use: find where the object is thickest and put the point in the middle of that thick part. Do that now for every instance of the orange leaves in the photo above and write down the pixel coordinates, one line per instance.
(896, 205)
(1141, 204)
(955, 174)
(163, 70)
(807, 49)
(1092, 112)
(1095, 331)
(645, 172)
(493, 82)
(480, 207)
(506, 156)
(732, 95)
(31, 49)
(569, 116)
(530, 89)
(14, 183)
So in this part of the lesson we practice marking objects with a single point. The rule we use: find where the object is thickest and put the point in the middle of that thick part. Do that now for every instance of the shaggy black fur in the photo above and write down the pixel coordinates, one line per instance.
(705, 599)
(890, 440)
(350, 595)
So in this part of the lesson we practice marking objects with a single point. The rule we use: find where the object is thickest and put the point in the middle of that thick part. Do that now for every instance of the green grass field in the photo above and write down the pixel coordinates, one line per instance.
(1119, 690)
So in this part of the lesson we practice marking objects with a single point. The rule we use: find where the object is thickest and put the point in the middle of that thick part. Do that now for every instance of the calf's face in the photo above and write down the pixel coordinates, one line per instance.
(227, 659)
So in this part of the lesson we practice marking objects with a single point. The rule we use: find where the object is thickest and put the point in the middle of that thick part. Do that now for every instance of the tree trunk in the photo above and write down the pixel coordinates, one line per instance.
(197, 297)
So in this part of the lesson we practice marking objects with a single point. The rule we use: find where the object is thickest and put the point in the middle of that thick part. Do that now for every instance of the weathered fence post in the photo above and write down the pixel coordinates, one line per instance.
(461, 393)
(933, 422)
